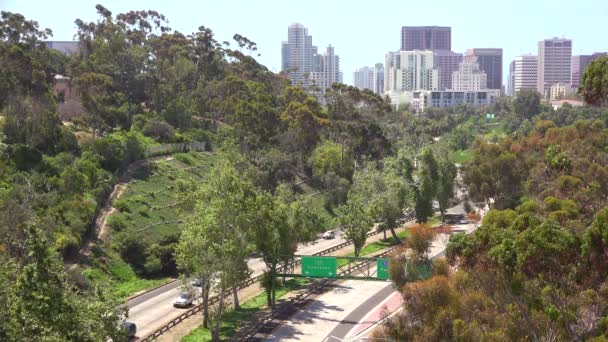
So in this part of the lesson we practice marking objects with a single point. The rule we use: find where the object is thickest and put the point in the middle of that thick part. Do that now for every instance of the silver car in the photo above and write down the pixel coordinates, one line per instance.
(184, 300)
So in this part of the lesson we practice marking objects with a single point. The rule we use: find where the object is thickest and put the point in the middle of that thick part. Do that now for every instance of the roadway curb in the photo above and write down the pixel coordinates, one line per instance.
(149, 290)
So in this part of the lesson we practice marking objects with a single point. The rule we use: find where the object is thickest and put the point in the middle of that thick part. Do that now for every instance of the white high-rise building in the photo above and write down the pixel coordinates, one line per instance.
(410, 71)
(363, 78)
(328, 71)
(378, 78)
(469, 76)
(523, 74)
(298, 55)
(554, 63)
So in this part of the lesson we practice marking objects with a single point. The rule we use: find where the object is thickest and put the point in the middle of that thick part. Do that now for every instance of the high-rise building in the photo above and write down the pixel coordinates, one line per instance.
(327, 71)
(523, 74)
(579, 64)
(379, 79)
(490, 61)
(303, 64)
(447, 63)
(469, 76)
(408, 71)
(426, 38)
(554, 63)
(297, 54)
(363, 78)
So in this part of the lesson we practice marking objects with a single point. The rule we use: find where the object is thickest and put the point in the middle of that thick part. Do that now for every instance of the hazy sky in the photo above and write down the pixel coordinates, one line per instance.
(361, 31)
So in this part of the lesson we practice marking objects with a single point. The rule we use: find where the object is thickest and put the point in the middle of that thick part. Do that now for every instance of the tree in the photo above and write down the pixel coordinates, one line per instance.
(594, 85)
(40, 302)
(331, 157)
(527, 103)
(445, 184)
(281, 222)
(219, 227)
(426, 187)
(420, 239)
(355, 221)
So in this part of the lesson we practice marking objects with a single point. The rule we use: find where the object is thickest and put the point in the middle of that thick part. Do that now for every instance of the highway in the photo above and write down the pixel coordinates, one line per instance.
(345, 309)
(153, 309)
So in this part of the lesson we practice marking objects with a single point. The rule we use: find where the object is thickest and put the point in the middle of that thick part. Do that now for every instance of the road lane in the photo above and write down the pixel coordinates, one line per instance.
(151, 310)
(331, 317)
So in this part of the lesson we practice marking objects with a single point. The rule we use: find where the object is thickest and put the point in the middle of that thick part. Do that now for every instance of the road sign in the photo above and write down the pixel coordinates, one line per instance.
(382, 268)
(490, 116)
(319, 266)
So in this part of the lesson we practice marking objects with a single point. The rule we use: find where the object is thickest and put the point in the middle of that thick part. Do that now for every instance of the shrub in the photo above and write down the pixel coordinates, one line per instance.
(185, 158)
(117, 222)
(25, 157)
(123, 206)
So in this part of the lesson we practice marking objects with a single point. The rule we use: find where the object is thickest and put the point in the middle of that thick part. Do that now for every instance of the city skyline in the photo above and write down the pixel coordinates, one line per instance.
(381, 34)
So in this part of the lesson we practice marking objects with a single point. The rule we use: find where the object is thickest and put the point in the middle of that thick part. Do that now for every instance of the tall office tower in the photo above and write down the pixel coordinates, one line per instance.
(426, 38)
(554, 63)
(363, 78)
(298, 55)
(490, 61)
(469, 76)
(447, 62)
(379, 78)
(523, 74)
(328, 70)
(511, 80)
(410, 71)
(579, 64)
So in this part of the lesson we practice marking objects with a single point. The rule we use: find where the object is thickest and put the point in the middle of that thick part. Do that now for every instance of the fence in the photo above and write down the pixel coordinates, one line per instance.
(175, 148)
(158, 332)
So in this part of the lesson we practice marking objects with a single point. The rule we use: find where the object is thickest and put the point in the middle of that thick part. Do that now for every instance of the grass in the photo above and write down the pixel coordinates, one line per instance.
(152, 197)
(373, 247)
(318, 204)
(119, 276)
(463, 156)
(233, 318)
(435, 220)
(149, 198)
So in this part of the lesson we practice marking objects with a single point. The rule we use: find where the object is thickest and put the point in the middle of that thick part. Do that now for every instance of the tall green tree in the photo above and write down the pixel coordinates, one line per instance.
(445, 184)
(220, 226)
(355, 221)
(594, 85)
(40, 302)
(527, 103)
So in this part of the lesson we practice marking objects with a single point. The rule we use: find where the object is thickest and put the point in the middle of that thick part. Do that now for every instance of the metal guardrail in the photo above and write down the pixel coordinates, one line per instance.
(314, 288)
(196, 309)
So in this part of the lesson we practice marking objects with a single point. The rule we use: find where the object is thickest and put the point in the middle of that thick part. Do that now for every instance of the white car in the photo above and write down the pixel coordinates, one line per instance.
(185, 299)
(330, 234)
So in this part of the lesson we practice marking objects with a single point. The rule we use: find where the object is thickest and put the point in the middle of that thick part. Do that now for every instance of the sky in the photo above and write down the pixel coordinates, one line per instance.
(361, 31)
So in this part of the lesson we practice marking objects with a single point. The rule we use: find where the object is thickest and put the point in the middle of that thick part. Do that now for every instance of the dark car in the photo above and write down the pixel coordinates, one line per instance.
(130, 328)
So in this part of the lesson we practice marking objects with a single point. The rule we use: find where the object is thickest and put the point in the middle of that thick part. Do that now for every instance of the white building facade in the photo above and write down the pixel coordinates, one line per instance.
(469, 76)
(523, 74)
(363, 78)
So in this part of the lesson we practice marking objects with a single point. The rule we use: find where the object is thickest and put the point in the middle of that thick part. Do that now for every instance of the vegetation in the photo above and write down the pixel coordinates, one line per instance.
(533, 270)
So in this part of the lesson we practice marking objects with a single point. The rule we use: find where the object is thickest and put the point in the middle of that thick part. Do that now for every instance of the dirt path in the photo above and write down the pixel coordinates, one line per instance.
(101, 222)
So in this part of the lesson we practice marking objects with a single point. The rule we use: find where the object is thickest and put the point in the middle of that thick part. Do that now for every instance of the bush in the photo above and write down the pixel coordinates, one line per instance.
(111, 152)
(25, 157)
(185, 158)
(117, 222)
(159, 131)
(123, 206)
(67, 244)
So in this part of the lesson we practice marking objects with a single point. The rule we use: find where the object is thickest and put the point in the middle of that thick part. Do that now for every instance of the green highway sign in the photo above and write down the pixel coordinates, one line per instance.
(382, 268)
(490, 116)
(319, 266)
